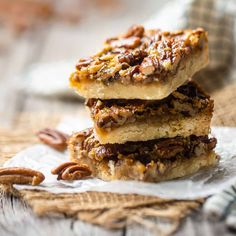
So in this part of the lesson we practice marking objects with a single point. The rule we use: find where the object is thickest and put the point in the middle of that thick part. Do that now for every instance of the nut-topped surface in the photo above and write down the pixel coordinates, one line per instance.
(140, 56)
(186, 101)
(144, 151)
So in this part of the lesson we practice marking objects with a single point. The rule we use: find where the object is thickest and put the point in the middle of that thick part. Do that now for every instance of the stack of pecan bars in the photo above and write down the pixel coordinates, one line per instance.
(151, 122)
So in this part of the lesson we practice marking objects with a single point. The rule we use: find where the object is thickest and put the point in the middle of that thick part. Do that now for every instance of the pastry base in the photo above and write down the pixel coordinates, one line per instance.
(155, 90)
(149, 129)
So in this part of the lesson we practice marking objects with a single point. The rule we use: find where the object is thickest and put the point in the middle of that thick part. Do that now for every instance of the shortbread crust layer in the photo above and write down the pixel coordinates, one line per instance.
(154, 128)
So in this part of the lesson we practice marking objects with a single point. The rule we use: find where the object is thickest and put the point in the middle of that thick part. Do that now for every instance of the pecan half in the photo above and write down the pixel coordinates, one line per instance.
(135, 30)
(133, 58)
(71, 171)
(131, 43)
(53, 138)
(20, 175)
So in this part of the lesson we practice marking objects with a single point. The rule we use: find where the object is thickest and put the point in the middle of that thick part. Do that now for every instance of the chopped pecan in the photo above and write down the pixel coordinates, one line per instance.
(211, 143)
(136, 30)
(134, 69)
(156, 63)
(53, 138)
(165, 49)
(90, 102)
(74, 77)
(128, 43)
(71, 171)
(83, 63)
(20, 175)
(109, 40)
(194, 39)
(147, 67)
(169, 147)
(126, 58)
(177, 32)
(133, 58)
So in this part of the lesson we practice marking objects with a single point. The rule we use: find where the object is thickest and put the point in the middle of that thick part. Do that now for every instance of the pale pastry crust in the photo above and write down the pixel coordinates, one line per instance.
(107, 170)
(151, 91)
(153, 128)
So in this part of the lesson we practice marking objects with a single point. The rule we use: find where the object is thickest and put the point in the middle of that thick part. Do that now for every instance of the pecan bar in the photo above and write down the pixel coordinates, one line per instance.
(154, 160)
(141, 64)
(186, 111)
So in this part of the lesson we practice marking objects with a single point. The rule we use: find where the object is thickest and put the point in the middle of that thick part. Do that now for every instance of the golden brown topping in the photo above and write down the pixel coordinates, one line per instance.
(187, 101)
(53, 138)
(71, 171)
(157, 53)
(20, 175)
(144, 151)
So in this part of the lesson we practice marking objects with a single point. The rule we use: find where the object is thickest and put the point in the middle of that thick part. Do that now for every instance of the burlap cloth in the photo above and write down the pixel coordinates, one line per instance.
(109, 210)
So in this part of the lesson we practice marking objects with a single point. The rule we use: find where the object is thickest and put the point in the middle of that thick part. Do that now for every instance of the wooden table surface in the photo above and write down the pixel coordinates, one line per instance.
(52, 43)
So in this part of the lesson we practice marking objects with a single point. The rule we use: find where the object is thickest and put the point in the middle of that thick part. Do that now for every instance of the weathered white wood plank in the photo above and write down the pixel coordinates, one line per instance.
(150, 227)
(81, 228)
(23, 52)
(52, 105)
(16, 218)
(198, 225)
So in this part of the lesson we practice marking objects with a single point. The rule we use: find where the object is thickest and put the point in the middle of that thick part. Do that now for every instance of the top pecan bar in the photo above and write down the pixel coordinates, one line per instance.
(142, 57)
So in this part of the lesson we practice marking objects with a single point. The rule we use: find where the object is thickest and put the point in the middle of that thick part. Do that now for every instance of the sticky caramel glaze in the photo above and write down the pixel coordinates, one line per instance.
(140, 56)
(187, 101)
(144, 151)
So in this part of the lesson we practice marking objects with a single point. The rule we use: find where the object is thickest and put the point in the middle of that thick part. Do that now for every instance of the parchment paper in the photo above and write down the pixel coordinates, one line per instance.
(201, 184)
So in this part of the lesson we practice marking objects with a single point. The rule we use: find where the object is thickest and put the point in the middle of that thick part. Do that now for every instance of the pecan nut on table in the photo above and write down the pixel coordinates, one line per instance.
(20, 175)
(53, 138)
(71, 171)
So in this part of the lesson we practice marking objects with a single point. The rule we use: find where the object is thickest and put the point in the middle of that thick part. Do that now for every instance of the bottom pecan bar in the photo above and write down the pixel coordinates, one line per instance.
(154, 160)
